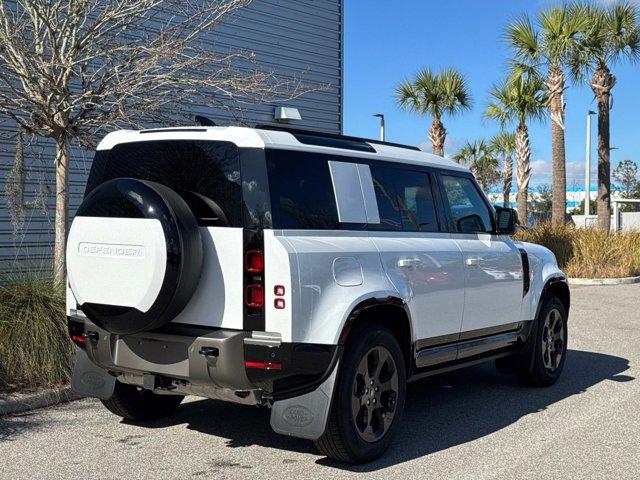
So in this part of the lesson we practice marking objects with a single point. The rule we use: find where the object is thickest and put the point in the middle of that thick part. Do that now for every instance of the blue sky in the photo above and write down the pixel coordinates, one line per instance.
(387, 41)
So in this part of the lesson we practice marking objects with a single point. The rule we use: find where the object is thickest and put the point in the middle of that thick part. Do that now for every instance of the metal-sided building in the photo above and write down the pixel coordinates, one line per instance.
(289, 38)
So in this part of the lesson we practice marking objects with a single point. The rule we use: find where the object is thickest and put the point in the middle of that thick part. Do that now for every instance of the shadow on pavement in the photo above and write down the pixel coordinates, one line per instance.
(441, 411)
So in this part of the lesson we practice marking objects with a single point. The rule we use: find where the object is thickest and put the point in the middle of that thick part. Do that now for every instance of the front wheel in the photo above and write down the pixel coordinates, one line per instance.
(368, 400)
(549, 348)
(137, 404)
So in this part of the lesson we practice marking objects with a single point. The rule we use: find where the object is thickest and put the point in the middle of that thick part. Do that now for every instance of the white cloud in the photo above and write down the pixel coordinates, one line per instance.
(450, 146)
(541, 171)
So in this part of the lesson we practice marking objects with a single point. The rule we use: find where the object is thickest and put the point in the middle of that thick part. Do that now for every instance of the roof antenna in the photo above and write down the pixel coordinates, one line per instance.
(204, 121)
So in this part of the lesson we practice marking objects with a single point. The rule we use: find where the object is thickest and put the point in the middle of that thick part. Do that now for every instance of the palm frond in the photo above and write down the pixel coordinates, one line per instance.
(435, 93)
(523, 37)
(624, 32)
(504, 143)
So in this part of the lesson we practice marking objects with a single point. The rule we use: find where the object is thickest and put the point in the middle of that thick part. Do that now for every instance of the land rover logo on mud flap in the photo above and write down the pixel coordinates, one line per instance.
(92, 380)
(111, 250)
(298, 416)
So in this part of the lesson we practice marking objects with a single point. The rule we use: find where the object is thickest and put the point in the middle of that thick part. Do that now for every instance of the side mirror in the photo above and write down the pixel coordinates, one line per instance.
(506, 221)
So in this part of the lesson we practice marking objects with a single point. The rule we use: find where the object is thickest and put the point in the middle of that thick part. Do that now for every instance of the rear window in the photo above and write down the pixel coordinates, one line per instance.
(301, 191)
(206, 168)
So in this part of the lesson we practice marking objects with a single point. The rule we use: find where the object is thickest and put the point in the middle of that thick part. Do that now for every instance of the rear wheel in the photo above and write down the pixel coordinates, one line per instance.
(368, 400)
(137, 404)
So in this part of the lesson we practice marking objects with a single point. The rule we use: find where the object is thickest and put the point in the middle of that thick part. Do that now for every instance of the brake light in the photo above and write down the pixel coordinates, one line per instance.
(254, 296)
(79, 340)
(254, 261)
(264, 365)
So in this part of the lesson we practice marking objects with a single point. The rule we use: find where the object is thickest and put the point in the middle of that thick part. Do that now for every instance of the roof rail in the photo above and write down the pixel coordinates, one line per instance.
(353, 143)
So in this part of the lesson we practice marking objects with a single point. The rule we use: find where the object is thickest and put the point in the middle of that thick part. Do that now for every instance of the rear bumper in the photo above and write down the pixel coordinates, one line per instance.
(208, 362)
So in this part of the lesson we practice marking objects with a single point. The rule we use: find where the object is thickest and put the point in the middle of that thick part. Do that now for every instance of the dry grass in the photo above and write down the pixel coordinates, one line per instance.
(589, 253)
(35, 350)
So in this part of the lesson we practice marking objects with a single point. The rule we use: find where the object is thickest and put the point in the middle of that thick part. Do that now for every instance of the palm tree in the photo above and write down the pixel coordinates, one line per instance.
(504, 144)
(612, 34)
(516, 101)
(547, 49)
(435, 94)
(481, 161)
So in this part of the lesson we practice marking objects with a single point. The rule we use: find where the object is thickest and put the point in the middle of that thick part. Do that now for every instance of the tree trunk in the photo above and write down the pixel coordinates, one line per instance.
(555, 86)
(601, 84)
(437, 135)
(63, 152)
(508, 178)
(523, 172)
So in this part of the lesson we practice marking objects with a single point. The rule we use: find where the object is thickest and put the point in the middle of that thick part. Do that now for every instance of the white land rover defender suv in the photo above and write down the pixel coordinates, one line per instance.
(309, 273)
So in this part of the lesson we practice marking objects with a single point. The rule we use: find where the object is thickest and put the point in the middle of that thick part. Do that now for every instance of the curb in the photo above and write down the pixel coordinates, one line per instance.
(19, 403)
(604, 281)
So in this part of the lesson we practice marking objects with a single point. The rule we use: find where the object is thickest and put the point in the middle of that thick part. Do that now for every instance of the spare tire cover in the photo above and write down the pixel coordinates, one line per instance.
(124, 282)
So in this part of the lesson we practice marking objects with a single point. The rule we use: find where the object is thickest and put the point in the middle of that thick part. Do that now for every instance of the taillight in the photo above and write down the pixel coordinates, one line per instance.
(254, 261)
(254, 296)
(263, 365)
(79, 340)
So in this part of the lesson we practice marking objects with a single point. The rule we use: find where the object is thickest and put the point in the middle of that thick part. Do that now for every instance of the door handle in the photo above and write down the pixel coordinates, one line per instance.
(409, 262)
(472, 261)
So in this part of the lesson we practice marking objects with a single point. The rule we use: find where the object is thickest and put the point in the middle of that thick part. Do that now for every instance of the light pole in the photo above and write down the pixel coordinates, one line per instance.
(381, 117)
(587, 168)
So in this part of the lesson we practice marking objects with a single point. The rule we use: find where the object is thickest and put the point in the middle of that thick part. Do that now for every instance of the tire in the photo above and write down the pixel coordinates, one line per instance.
(548, 354)
(140, 405)
(139, 199)
(346, 439)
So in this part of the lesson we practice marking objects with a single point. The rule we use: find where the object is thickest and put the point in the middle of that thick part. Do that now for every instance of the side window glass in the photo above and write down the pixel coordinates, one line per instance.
(469, 212)
(301, 191)
(405, 200)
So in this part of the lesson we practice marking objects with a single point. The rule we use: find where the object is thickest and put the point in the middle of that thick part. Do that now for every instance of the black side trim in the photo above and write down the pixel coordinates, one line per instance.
(372, 302)
(526, 279)
(470, 346)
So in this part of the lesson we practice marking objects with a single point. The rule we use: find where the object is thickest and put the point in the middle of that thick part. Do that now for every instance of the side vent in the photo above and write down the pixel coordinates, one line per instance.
(526, 279)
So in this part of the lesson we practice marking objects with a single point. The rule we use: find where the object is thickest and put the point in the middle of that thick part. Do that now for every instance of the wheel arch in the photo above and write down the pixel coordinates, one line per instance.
(390, 312)
(559, 287)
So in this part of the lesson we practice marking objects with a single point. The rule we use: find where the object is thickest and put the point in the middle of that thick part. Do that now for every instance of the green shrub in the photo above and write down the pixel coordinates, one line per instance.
(35, 350)
(559, 239)
(588, 253)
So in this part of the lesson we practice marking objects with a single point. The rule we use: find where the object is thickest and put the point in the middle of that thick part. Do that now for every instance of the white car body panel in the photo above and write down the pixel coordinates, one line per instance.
(426, 270)
(322, 305)
(543, 268)
(218, 299)
(493, 281)
(280, 269)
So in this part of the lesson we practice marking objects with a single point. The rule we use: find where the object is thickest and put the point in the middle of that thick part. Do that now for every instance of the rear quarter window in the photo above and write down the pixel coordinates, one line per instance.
(301, 191)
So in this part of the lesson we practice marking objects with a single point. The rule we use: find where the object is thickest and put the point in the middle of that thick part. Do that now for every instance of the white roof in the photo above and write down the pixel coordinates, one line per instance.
(256, 138)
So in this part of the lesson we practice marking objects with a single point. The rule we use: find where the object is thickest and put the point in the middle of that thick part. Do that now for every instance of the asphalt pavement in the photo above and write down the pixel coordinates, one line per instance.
(470, 424)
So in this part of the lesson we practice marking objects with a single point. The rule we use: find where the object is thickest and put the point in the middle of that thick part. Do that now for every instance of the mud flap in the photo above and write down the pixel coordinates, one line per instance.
(89, 380)
(305, 416)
